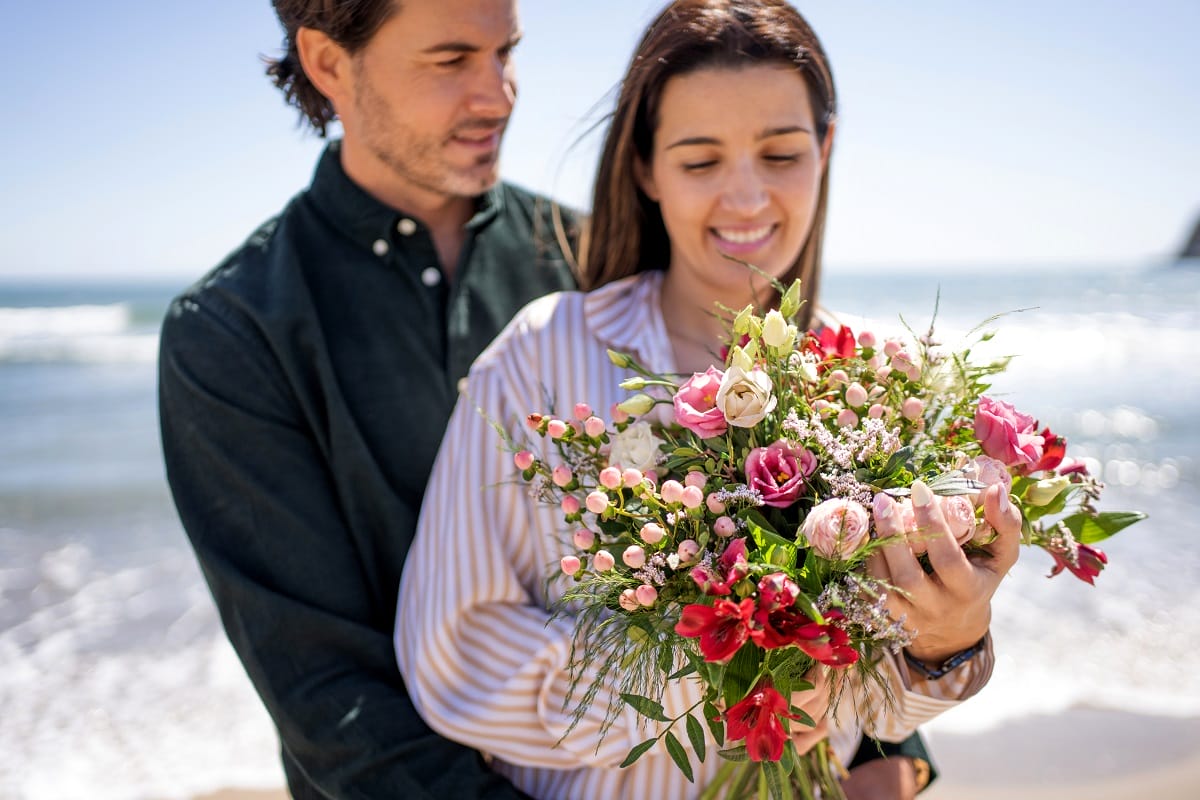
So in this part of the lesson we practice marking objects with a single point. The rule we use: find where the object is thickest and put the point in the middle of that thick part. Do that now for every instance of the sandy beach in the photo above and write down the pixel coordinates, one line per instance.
(1082, 753)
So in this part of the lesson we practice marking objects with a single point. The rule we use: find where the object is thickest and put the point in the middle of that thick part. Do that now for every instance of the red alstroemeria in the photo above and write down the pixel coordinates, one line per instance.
(829, 344)
(1054, 449)
(1086, 565)
(722, 627)
(827, 643)
(757, 720)
(732, 566)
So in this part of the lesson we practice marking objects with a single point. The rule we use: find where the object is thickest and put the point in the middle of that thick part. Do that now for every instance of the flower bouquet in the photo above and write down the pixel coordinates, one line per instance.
(721, 527)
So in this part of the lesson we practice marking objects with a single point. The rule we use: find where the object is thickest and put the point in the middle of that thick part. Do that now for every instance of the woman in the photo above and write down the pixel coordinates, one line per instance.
(719, 146)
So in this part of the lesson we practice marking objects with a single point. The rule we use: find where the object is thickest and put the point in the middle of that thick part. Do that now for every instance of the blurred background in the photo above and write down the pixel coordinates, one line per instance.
(1023, 155)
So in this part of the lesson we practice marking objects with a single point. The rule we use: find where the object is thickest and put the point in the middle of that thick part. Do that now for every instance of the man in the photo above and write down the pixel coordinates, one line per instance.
(306, 382)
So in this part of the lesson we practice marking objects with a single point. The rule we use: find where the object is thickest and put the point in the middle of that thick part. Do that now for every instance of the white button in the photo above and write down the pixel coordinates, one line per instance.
(462, 385)
(431, 276)
(380, 247)
(406, 227)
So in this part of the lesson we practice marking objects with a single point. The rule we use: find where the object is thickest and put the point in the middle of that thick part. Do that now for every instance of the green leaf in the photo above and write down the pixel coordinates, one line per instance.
(638, 752)
(716, 723)
(695, 732)
(768, 540)
(1089, 529)
(735, 753)
(777, 783)
(646, 707)
(679, 756)
(682, 672)
(740, 674)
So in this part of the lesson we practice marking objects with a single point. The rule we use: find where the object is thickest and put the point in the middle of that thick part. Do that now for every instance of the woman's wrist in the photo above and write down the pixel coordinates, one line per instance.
(934, 668)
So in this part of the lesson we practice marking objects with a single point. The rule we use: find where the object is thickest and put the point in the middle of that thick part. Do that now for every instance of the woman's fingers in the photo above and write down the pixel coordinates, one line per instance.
(903, 566)
(1005, 519)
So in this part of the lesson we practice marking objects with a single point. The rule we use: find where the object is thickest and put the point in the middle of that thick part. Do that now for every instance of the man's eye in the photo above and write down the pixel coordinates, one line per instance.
(452, 62)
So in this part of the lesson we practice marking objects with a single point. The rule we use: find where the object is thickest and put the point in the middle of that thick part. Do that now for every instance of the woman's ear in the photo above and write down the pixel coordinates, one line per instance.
(827, 145)
(644, 176)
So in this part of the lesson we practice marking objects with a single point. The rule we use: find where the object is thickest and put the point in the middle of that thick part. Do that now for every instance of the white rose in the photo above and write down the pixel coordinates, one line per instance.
(745, 397)
(636, 447)
(776, 332)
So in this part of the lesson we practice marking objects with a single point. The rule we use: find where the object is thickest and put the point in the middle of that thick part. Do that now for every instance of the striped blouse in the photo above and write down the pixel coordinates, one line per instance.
(481, 662)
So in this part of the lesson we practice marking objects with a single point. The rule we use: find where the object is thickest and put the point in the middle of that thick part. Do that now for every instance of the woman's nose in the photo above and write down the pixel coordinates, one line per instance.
(746, 191)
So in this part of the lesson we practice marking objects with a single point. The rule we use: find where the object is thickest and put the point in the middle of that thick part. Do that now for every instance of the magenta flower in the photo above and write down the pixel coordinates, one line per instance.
(1086, 564)
(731, 568)
(696, 404)
(779, 472)
(1006, 434)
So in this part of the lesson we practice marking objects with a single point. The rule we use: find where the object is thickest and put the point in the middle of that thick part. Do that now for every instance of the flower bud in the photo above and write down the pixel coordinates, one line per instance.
(776, 332)
(856, 395)
(620, 359)
(637, 405)
(618, 415)
(867, 340)
(562, 475)
(790, 303)
(912, 409)
(628, 600)
(695, 478)
(1044, 491)
(847, 419)
(593, 427)
(556, 428)
(632, 477)
(523, 460)
(839, 376)
(891, 347)
(652, 533)
(569, 564)
(741, 323)
(724, 527)
(646, 594)
(692, 497)
(633, 384)
(603, 561)
(634, 556)
(714, 505)
(610, 478)
(738, 357)
(584, 539)
(597, 502)
(533, 421)
(570, 505)
(687, 551)
(671, 491)
(582, 411)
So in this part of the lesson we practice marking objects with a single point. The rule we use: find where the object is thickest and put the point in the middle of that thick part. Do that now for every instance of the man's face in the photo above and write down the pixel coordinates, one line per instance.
(433, 90)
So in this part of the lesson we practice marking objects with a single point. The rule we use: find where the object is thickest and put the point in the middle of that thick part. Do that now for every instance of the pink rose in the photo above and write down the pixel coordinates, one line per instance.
(1006, 434)
(779, 472)
(990, 472)
(960, 517)
(837, 527)
(696, 404)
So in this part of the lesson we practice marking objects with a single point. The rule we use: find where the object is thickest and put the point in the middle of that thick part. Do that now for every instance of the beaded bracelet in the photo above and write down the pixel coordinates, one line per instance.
(947, 666)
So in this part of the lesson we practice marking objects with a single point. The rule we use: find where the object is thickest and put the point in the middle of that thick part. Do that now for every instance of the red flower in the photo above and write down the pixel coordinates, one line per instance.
(731, 568)
(829, 344)
(756, 719)
(1086, 564)
(722, 627)
(1054, 448)
(827, 643)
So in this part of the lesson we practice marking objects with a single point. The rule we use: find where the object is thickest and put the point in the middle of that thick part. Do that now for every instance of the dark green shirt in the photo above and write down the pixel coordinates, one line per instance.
(305, 385)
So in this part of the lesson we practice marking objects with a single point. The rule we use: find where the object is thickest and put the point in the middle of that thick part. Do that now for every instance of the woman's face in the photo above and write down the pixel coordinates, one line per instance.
(736, 170)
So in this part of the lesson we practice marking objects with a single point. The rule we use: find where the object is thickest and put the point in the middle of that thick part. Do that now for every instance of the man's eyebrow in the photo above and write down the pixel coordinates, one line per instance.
(467, 47)
(784, 130)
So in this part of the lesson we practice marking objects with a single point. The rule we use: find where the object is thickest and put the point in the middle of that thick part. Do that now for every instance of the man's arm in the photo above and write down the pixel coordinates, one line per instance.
(255, 495)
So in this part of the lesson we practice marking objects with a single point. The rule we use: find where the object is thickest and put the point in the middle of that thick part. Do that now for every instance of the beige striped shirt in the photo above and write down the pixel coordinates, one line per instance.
(472, 640)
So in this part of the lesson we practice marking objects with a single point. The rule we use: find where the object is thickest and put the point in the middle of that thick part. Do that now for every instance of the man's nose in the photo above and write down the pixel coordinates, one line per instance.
(494, 90)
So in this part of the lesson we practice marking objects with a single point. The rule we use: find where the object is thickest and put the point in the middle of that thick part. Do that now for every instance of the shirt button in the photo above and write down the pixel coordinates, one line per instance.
(406, 227)
(462, 385)
(380, 247)
(431, 276)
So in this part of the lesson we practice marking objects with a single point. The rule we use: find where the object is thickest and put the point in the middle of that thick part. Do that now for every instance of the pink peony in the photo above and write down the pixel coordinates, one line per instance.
(696, 404)
(1006, 434)
(779, 472)
(836, 528)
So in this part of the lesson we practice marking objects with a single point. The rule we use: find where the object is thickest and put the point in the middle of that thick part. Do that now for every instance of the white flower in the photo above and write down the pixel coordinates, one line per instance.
(745, 397)
(776, 332)
(636, 447)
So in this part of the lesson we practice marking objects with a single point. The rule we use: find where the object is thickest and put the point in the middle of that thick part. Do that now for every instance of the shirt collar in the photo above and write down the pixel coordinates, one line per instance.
(365, 219)
(627, 316)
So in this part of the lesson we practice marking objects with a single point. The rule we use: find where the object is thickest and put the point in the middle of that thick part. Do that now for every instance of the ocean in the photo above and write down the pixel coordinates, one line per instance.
(116, 682)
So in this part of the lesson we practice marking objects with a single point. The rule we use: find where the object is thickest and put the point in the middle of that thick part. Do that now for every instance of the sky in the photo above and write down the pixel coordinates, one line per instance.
(145, 141)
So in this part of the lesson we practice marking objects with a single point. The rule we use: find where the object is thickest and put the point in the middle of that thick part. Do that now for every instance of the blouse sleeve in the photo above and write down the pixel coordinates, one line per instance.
(473, 642)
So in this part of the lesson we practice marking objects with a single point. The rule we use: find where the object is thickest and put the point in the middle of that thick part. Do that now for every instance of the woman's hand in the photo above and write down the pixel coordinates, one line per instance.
(949, 608)
(815, 703)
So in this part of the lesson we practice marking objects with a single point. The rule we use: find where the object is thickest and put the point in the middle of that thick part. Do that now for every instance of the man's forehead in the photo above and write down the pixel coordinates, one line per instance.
(433, 23)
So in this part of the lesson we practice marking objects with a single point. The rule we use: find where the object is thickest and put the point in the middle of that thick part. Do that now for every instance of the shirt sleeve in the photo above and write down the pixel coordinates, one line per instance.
(484, 665)
(910, 700)
(255, 497)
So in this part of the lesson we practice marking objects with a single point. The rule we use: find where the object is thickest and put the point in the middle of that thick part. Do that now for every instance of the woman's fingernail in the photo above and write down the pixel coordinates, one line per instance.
(1003, 503)
(921, 496)
(883, 506)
